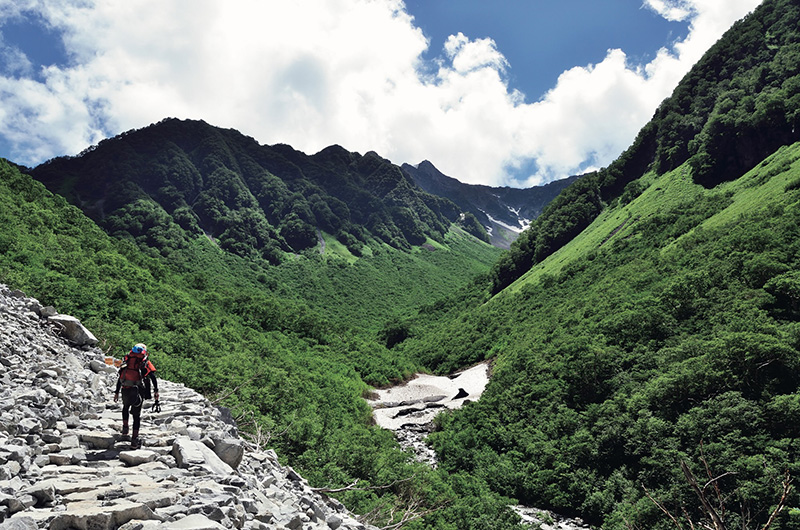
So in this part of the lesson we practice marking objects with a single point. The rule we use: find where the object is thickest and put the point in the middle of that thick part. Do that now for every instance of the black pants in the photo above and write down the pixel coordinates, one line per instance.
(132, 403)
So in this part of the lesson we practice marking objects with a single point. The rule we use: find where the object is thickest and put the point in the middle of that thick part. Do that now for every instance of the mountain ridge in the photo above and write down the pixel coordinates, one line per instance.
(254, 200)
(736, 106)
(503, 211)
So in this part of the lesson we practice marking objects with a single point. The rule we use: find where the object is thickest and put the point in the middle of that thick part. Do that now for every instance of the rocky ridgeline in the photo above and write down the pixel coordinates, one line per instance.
(64, 463)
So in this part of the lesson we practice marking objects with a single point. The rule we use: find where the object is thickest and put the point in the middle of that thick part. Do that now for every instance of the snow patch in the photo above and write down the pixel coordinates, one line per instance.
(524, 223)
(421, 399)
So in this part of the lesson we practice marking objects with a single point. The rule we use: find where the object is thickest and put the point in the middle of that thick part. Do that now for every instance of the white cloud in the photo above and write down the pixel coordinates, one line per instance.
(470, 55)
(674, 10)
(311, 73)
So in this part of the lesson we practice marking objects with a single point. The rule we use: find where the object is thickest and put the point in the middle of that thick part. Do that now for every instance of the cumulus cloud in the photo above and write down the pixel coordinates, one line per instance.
(311, 73)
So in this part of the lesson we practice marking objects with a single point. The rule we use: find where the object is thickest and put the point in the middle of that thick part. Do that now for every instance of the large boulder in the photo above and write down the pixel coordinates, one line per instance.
(190, 453)
(89, 515)
(230, 450)
(73, 330)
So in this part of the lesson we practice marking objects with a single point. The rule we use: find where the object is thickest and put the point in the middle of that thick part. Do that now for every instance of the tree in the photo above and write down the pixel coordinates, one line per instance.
(714, 514)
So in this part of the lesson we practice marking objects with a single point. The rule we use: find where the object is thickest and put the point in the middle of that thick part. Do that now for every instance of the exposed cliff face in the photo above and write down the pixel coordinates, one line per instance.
(65, 464)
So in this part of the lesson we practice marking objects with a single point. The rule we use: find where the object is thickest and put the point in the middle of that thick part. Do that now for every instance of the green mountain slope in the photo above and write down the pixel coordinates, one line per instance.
(349, 235)
(668, 331)
(290, 348)
(293, 378)
(176, 179)
(736, 106)
(213, 336)
(649, 321)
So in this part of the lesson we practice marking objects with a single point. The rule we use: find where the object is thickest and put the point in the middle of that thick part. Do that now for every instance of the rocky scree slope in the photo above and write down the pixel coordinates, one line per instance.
(64, 463)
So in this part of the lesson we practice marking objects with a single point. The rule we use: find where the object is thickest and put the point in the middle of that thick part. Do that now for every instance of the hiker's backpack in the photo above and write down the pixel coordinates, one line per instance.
(134, 371)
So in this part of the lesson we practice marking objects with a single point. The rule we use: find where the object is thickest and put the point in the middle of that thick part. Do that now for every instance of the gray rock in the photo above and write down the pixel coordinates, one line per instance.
(19, 523)
(69, 441)
(214, 513)
(52, 438)
(90, 516)
(28, 426)
(295, 523)
(59, 459)
(99, 367)
(334, 521)
(9, 470)
(72, 421)
(194, 522)
(21, 502)
(193, 453)
(135, 458)
(73, 330)
(230, 451)
(195, 433)
(36, 398)
(293, 475)
(44, 492)
(156, 499)
(179, 427)
(98, 439)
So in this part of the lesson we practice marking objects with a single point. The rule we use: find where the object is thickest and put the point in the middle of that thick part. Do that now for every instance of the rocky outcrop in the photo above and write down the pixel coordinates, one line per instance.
(64, 463)
(73, 330)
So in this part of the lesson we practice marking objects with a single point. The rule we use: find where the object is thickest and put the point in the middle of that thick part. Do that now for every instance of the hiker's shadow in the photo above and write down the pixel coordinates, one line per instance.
(99, 456)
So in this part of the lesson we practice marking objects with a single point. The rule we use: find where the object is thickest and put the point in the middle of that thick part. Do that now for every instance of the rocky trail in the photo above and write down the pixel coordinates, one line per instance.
(64, 463)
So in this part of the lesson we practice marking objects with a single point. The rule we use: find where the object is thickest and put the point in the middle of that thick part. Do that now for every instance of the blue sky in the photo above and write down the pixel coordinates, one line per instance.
(512, 92)
(541, 39)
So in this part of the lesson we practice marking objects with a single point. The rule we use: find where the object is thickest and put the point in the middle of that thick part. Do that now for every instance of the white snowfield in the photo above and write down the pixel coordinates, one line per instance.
(418, 401)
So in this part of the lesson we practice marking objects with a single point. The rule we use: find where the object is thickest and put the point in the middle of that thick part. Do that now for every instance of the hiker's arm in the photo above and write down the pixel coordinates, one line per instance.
(116, 392)
(154, 381)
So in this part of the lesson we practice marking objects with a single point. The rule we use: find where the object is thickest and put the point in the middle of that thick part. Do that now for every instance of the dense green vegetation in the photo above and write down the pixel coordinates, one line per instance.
(736, 106)
(650, 317)
(163, 185)
(669, 332)
(290, 349)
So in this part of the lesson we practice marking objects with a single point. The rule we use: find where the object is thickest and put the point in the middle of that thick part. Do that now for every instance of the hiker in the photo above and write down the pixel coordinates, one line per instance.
(136, 375)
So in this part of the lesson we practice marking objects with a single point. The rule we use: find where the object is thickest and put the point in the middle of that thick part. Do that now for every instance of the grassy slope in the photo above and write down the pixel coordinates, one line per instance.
(368, 292)
(669, 191)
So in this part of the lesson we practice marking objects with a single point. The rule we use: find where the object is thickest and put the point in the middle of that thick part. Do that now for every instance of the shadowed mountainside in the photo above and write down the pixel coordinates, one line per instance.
(166, 183)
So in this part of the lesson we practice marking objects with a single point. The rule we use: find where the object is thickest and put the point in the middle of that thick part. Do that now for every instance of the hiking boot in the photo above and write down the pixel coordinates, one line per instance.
(124, 429)
(136, 443)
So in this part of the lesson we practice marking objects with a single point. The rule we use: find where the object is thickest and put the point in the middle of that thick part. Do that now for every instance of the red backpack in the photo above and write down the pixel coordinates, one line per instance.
(134, 371)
